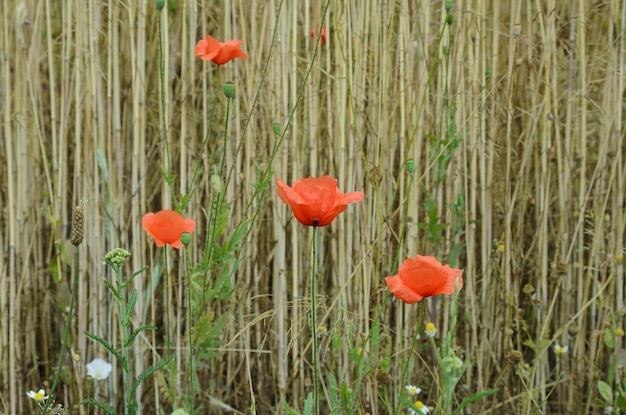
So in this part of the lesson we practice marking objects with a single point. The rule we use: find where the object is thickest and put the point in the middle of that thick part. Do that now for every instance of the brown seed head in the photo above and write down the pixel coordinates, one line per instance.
(78, 226)
(514, 357)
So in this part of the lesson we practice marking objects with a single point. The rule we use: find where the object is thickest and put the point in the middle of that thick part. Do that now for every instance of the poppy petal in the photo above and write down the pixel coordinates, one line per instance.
(424, 276)
(401, 291)
(316, 201)
(189, 225)
(166, 226)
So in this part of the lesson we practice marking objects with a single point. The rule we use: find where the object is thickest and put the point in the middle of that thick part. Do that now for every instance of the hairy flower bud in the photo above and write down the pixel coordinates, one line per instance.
(78, 226)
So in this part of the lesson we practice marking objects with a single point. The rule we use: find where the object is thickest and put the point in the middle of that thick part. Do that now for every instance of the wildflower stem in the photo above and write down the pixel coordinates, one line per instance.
(225, 143)
(162, 100)
(413, 343)
(123, 333)
(167, 300)
(404, 222)
(66, 336)
(191, 373)
(313, 319)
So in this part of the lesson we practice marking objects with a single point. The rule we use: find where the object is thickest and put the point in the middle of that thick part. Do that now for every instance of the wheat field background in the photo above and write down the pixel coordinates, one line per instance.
(514, 115)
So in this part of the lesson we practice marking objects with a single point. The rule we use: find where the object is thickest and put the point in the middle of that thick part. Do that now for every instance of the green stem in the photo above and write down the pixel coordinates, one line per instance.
(403, 230)
(413, 343)
(313, 319)
(167, 301)
(189, 334)
(123, 334)
(66, 336)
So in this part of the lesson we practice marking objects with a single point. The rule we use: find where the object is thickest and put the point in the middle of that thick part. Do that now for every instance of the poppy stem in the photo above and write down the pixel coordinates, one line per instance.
(189, 326)
(167, 299)
(162, 102)
(313, 319)
(420, 311)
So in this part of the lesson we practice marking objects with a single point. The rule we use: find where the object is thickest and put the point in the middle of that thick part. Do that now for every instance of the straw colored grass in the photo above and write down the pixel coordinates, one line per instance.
(535, 90)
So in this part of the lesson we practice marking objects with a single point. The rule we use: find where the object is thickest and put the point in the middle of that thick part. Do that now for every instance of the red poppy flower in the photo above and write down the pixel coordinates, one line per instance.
(209, 49)
(322, 37)
(423, 276)
(316, 202)
(166, 227)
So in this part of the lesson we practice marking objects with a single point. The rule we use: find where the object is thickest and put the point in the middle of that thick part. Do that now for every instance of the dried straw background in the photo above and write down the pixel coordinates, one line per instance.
(536, 90)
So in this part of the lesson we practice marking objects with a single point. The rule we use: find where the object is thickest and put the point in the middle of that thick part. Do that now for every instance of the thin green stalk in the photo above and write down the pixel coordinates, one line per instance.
(162, 102)
(397, 260)
(66, 336)
(216, 204)
(191, 373)
(123, 332)
(167, 300)
(313, 320)
(413, 343)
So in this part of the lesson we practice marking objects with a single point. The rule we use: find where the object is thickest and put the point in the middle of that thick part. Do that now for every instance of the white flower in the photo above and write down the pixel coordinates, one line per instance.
(99, 369)
(559, 350)
(413, 390)
(38, 396)
(421, 409)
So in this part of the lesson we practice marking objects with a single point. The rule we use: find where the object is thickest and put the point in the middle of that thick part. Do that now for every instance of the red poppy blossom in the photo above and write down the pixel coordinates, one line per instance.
(316, 201)
(322, 37)
(166, 227)
(209, 49)
(423, 276)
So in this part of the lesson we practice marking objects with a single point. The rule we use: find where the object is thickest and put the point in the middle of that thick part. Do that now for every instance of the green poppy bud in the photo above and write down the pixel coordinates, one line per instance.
(185, 238)
(229, 89)
(449, 19)
(276, 128)
(410, 166)
(159, 4)
(448, 5)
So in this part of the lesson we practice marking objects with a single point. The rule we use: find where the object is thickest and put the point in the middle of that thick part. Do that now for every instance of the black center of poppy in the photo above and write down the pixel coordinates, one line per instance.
(315, 222)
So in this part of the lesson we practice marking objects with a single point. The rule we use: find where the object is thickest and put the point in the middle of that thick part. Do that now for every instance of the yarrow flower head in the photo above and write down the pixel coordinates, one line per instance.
(210, 49)
(166, 227)
(99, 369)
(116, 257)
(39, 396)
(412, 389)
(430, 329)
(423, 276)
(559, 350)
(316, 201)
(421, 408)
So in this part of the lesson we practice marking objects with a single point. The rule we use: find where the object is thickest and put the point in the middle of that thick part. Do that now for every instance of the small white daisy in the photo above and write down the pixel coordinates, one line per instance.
(421, 409)
(37, 396)
(430, 329)
(559, 350)
(412, 389)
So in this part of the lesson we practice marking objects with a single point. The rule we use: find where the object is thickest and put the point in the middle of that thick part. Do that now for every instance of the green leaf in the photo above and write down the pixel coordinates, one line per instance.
(473, 398)
(110, 348)
(106, 408)
(609, 338)
(149, 371)
(286, 407)
(621, 401)
(112, 288)
(606, 391)
(129, 307)
(135, 333)
(308, 404)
